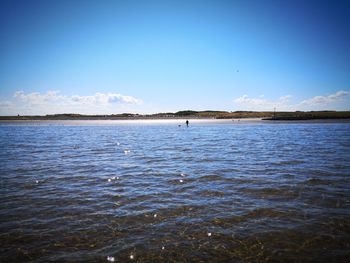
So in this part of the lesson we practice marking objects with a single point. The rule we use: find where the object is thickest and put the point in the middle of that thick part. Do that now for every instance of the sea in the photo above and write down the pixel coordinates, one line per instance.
(159, 191)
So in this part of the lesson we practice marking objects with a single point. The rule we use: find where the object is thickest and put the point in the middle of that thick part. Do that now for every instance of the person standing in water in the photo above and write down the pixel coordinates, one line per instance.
(187, 123)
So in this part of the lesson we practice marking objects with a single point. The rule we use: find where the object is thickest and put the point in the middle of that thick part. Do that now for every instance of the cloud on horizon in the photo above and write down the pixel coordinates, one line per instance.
(285, 103)
(261, 103)
(53, 102)
(326, 100)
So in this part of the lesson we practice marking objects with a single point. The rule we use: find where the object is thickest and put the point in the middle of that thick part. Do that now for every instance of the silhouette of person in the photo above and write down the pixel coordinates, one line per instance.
(187, 123)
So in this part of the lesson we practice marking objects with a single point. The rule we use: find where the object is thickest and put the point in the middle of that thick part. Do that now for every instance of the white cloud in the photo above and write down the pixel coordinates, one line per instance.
(260, 104)
(105, 98)
(53, 102)
(334, 101)
(325, 100)
(54, 96)
(38, 98)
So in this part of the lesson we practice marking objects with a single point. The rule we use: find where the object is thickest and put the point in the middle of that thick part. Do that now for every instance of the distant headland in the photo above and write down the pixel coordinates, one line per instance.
(186, 114)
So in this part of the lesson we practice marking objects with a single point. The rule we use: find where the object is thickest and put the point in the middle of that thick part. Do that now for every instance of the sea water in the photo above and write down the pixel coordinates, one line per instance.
(154, 191)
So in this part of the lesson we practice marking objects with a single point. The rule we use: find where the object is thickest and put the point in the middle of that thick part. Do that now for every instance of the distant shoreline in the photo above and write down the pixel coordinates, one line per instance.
(189, 114)
(177, 122)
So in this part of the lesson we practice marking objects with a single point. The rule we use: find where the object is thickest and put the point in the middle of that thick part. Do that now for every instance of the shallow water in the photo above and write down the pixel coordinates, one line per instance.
(156, 192)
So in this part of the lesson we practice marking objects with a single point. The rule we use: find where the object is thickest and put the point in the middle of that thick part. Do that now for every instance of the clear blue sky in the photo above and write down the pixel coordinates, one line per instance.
(157, 56)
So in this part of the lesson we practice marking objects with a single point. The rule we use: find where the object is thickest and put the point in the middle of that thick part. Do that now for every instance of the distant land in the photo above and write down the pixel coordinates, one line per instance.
(209, 114)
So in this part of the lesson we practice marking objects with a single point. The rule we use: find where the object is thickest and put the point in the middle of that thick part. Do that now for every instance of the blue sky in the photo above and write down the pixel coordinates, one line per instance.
(158, 56)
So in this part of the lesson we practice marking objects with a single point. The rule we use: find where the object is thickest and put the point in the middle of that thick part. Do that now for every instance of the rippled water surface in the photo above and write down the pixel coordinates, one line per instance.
(213, 192)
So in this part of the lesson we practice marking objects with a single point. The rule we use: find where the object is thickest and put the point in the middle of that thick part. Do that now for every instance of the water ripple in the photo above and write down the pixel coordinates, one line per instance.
(247, 192)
